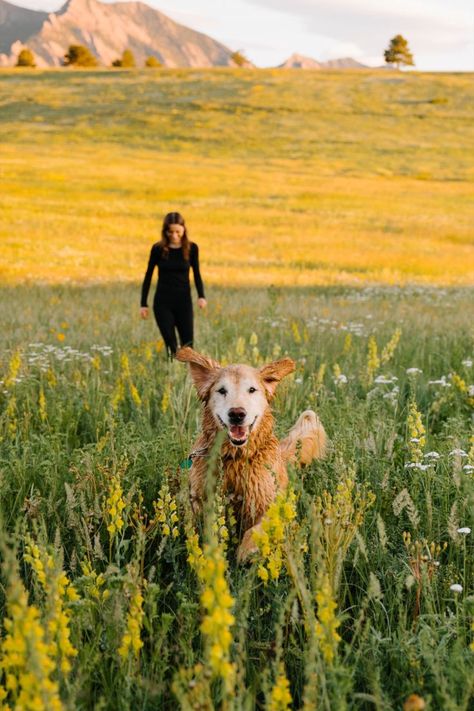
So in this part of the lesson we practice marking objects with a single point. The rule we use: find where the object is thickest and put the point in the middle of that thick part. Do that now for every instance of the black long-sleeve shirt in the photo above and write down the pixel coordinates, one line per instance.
(173, 271)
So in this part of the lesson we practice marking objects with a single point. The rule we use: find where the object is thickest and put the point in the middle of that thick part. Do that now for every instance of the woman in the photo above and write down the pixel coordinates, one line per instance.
(172, 305)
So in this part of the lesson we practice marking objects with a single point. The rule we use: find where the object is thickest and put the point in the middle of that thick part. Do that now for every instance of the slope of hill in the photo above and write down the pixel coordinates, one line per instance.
(17, 24)
(107, 29)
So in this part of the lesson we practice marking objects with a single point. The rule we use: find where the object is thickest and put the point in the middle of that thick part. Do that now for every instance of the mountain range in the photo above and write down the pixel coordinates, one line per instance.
(299, 61)
(107, 29)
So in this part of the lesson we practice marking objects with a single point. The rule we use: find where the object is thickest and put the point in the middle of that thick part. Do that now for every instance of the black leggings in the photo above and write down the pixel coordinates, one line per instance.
(174, 312)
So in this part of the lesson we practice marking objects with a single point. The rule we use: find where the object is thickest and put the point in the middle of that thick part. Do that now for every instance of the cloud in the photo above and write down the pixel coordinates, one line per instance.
(371, 23)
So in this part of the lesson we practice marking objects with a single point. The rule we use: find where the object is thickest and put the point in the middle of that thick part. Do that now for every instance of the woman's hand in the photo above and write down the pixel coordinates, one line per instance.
(144, 312)
(202, 303)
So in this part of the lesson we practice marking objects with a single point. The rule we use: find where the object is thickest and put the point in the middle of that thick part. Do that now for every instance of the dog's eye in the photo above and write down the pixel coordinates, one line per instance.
(252, 390)
(222, 391)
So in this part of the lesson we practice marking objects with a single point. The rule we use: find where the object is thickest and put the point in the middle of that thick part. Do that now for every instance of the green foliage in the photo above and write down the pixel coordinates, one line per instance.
(127, 61)
(26, 58)
(398, 52)
(239, 58)
(79, 56)
(153, 63)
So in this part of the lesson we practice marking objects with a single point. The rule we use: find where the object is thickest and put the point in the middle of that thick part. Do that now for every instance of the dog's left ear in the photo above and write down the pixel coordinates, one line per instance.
(203, 369)
(272, 373)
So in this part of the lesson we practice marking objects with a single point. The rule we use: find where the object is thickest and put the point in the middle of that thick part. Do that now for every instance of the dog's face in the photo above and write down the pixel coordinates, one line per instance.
(237, 395)
(237, 401)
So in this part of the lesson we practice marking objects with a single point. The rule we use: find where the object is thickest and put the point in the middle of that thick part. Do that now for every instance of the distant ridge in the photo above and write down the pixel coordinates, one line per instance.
(299, 61)
(107, 29)
(17, 24)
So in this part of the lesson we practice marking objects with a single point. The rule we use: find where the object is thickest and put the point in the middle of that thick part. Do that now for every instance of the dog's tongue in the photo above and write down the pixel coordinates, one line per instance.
(237, 432)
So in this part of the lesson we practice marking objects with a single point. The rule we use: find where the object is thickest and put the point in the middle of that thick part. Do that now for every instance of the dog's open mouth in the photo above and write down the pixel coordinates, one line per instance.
(238, 434)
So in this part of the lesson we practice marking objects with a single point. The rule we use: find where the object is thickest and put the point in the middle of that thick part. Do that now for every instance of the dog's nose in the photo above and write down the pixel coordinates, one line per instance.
(236, 415)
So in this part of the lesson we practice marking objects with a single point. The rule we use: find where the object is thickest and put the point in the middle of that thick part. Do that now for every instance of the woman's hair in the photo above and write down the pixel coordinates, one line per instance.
(174, 218)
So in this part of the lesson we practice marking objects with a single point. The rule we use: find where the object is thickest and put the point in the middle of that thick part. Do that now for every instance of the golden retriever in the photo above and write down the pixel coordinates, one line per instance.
(236, 399)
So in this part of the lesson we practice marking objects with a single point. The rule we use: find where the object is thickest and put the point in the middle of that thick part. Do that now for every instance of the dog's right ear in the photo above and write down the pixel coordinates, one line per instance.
(203, 369)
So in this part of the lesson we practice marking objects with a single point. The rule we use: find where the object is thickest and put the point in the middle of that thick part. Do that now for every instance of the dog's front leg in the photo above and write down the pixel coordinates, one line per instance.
(196, 489)
(247, 545)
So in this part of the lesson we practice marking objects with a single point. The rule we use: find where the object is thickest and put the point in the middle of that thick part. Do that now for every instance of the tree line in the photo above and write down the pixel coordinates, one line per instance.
(397, 54)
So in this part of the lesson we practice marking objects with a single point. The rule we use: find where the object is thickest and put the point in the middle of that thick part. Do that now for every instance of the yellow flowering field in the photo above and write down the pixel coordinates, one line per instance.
(285, 177)
(361, 594)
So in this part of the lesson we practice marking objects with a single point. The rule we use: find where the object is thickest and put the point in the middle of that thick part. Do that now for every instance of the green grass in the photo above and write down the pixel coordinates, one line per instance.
(55, 469)
(284, 177)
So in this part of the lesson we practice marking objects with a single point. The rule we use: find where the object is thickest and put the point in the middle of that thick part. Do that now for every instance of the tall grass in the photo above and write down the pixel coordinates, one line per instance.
(94, 426)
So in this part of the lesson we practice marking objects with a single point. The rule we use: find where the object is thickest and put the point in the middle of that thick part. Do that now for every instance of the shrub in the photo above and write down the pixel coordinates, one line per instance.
(153, 63)
(26, 58)
(79, 56)
(127, 60)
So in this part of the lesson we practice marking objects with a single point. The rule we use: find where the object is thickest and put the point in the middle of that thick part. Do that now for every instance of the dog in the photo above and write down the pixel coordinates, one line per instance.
(237, 400)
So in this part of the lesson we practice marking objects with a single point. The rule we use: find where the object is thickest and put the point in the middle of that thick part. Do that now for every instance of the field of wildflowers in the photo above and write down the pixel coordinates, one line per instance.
(361, 596)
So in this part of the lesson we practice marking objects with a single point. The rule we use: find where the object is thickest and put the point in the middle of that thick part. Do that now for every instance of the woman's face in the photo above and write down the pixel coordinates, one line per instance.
(175, 234)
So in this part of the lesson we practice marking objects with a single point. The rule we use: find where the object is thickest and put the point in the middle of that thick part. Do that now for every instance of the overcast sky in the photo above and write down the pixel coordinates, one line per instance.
(440, 33)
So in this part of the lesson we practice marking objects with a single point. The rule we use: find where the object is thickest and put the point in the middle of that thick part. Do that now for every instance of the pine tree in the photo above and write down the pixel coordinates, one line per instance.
(398, 52)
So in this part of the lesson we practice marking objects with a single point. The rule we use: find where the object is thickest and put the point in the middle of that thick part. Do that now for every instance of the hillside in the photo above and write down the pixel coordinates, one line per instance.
(17, 24)
(107, 29)
(286, 178)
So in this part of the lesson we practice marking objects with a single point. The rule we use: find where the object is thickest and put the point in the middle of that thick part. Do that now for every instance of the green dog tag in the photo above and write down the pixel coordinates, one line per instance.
(186, 463)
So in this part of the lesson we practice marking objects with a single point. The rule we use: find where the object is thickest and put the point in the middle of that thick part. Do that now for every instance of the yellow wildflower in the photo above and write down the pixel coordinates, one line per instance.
(13, 369)
(296, 332)
(327, 622)
(166, 516)
(270, 538)
(280, 699)
(114, 507)
(373, 361)
(42, 406)
(240, 346)
(59, 592)
(340, 515)
(165, 400)
(416, 432)
(25, 657)
(390, 347)
(131, 640)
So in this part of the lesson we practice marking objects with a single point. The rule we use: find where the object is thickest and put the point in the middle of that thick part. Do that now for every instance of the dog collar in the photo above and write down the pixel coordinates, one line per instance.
(187, 463)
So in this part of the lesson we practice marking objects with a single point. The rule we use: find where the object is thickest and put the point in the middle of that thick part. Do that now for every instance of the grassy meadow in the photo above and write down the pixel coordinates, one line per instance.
(284, 177)
(333, 212)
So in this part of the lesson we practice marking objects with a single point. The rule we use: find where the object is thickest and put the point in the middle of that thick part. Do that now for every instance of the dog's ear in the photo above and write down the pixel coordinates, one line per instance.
(272, 373)
(203, 369)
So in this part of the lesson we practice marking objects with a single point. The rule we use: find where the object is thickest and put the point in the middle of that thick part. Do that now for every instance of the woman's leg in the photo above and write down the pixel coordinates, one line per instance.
(166, 323)
(184, 321)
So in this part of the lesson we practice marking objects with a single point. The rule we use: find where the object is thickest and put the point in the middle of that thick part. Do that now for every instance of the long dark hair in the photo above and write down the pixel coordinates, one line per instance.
(174, 218)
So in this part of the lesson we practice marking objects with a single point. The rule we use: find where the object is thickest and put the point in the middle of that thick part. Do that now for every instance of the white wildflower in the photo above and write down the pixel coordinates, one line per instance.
(413, 371)
(465, 530)
(458, 453)
(455, 587)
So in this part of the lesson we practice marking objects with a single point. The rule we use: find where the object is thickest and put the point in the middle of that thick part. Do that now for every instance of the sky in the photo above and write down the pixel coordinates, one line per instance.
(440, 34)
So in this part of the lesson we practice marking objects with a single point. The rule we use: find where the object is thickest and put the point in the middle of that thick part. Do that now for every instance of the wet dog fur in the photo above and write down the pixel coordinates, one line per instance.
(237, 399)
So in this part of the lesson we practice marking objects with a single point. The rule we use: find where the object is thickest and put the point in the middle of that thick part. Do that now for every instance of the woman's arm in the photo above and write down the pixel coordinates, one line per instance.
(197, 274)
(152, 262)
